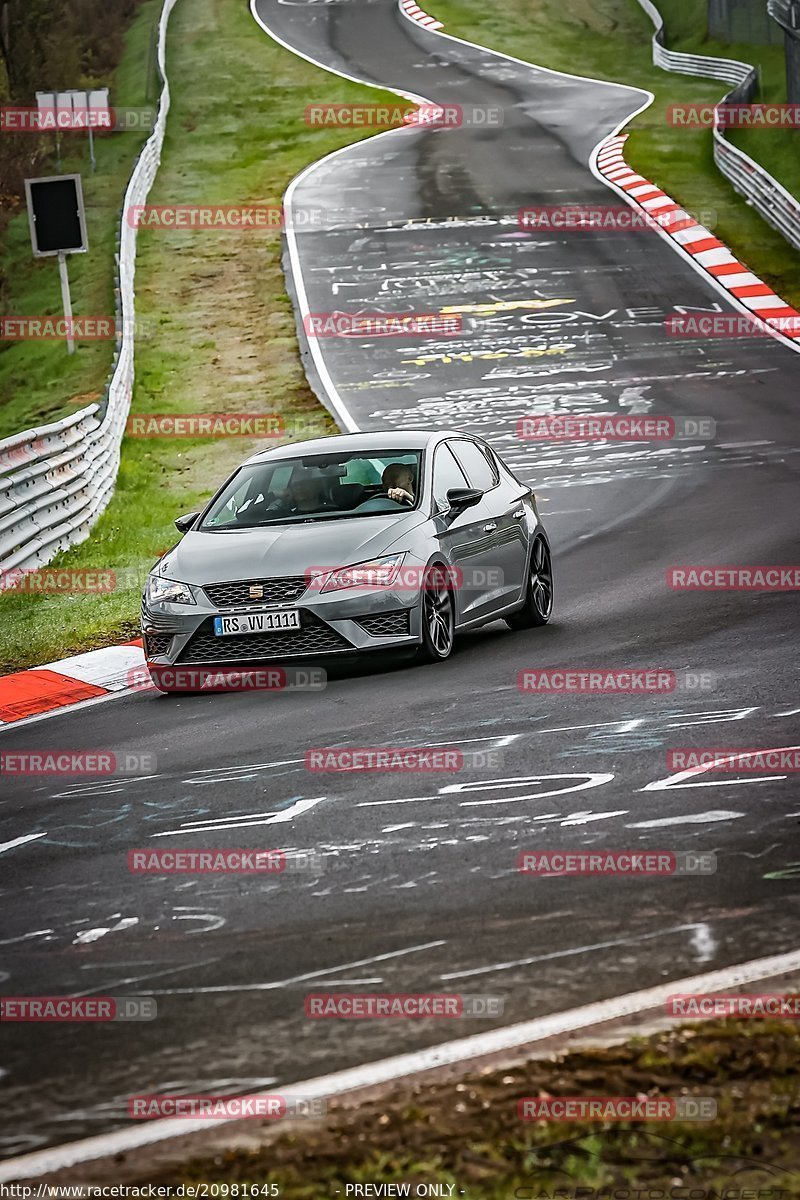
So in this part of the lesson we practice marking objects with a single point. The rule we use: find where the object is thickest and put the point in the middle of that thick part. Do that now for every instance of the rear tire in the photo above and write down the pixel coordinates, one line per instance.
(538, 606)
(438, 617)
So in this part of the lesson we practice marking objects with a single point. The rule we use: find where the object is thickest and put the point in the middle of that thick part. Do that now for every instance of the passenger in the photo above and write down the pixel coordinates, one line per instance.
(305, 494)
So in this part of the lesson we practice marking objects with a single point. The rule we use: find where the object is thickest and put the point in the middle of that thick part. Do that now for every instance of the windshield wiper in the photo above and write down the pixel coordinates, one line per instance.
(304, 519)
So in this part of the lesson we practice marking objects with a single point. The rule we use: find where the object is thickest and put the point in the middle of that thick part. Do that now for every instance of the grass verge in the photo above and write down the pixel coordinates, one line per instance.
(39, 381)
(467, 1134)
(221, 332)
(778, 150)
(611, 39)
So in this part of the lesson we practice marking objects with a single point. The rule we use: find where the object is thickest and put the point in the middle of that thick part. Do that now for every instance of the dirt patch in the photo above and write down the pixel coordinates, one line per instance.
(468, 1134)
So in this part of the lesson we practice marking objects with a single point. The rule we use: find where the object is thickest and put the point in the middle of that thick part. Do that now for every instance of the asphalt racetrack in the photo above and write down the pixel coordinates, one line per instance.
(420, 890)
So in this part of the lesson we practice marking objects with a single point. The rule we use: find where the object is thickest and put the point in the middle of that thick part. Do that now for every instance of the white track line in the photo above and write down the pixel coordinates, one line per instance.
(346, 418)
(20, 841)
(662, 233)
(461, 1050)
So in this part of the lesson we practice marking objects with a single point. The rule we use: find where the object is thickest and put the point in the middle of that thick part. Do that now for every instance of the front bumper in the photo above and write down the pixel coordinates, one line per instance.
(355, 621)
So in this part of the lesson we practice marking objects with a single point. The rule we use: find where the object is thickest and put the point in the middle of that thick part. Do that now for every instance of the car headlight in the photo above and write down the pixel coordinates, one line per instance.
(379, 573)
(160, 589)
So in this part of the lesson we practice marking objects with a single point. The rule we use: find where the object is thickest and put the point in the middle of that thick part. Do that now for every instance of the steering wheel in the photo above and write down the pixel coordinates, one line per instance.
(403, 503)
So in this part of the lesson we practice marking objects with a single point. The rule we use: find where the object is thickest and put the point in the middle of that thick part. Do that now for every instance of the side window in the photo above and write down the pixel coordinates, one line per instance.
(478, 469)
(446, 474)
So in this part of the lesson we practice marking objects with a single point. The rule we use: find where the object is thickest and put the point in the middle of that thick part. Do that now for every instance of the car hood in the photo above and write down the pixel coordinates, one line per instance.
(284, 549)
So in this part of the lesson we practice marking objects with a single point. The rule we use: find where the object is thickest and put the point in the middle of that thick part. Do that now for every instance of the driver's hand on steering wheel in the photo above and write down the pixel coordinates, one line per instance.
(400, 495)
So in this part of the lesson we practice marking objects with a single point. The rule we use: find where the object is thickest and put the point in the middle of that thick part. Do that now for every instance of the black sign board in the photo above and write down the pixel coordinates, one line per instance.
(56, 215)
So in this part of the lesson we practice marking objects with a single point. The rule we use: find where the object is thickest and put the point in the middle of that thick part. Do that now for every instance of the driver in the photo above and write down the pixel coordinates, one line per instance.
(398, 479)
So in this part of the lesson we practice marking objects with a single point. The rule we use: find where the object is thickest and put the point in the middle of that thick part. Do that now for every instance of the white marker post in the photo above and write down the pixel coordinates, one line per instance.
(63, 119)
(98, 110)
(46, 105)
(79, 102)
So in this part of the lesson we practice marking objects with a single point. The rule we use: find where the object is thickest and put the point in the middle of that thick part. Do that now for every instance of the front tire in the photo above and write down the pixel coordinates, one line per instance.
(438, 618)
(538, 606)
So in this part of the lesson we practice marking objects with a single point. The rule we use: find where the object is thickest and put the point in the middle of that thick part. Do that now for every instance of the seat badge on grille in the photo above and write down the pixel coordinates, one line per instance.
(256, 591)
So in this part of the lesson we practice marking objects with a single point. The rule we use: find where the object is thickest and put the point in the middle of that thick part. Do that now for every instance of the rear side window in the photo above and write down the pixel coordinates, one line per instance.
(480, 472)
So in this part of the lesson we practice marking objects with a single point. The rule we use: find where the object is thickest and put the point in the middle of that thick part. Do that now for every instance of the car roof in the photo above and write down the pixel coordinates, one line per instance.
(346, 443)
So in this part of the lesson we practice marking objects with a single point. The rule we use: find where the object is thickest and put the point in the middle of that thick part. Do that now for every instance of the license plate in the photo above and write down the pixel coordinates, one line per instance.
(268, 622)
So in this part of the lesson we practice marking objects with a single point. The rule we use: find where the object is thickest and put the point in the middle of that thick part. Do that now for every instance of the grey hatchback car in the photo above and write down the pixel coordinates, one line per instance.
(343, 545)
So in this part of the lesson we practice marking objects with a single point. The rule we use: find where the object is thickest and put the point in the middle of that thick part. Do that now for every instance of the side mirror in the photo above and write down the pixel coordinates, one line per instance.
(183, 524)
(461, 498)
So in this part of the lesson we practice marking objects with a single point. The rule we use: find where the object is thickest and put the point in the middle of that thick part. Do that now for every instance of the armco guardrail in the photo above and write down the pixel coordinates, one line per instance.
(56, 480)
(729, 70)
(786, 13)
(777, 206)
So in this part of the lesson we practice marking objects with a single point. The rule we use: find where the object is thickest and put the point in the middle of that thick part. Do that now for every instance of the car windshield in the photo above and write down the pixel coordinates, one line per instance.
(319, 487)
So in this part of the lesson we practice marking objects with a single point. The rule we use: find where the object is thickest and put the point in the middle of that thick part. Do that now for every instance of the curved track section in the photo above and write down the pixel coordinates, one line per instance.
(421, 890)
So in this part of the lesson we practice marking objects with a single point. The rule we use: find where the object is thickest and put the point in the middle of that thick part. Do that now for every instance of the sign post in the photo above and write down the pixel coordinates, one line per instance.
(57, 221)
(66, 299)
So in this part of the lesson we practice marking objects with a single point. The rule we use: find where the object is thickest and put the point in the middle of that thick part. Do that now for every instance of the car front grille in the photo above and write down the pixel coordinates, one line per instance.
(391, 624)
(256, 591)
(313, 637)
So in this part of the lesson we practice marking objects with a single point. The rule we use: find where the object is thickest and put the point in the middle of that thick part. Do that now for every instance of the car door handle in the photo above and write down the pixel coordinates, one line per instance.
(488, 528)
